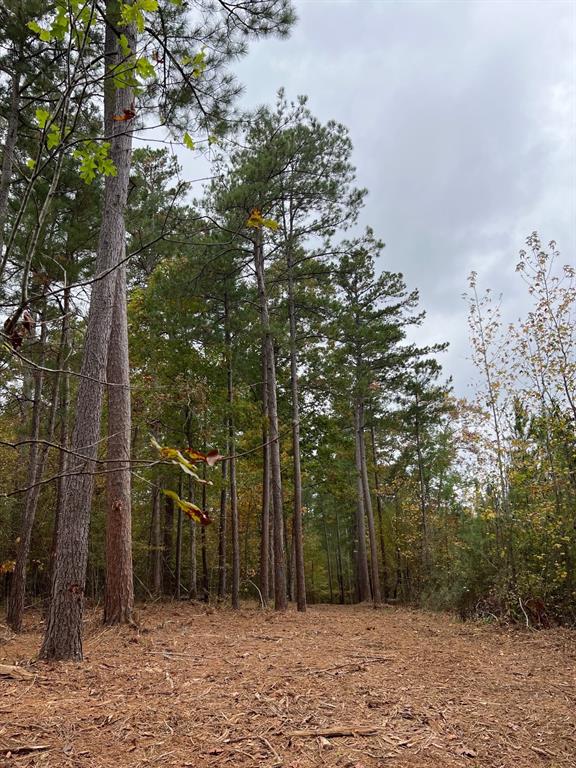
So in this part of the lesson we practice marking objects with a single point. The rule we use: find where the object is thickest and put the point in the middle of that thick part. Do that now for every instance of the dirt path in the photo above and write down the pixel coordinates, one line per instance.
(197, 689)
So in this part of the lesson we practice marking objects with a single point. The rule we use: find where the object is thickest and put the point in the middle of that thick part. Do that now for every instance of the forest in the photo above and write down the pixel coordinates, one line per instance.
(214, 400)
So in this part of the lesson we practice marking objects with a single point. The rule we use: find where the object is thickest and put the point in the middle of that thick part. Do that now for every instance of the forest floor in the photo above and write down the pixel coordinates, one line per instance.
(337, 686)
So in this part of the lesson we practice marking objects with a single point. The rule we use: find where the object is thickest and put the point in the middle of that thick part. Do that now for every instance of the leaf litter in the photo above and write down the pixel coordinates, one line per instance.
(344, 687)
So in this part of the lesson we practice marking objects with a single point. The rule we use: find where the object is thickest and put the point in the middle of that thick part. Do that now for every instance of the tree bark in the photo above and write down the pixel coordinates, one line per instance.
(297, 515)
(178, 578)
(8, 154)
(280, 602)
(119, 591)
(265, 517)
(380, 511)
(193, 567)
(156, 543)
(168, 540)
(63, 635)
(36, 459)
(232, 449)
(222, 532)
(204, 552)
(374, 571)
(362, 577)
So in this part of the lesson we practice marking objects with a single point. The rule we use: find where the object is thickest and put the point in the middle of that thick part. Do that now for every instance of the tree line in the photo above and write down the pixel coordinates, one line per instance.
(222, 396)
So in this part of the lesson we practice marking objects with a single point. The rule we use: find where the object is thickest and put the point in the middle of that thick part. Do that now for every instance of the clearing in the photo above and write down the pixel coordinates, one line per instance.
(338, 686)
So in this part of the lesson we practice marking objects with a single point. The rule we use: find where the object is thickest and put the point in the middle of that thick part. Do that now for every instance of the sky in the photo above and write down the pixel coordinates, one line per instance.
(463, 120)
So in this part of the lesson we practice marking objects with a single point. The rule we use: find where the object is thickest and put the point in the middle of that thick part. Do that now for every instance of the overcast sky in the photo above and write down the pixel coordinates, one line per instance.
(463, 119)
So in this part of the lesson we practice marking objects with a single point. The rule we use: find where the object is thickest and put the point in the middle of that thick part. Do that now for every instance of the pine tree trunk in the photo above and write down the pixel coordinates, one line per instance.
(339, 565)
(374, 570)
(380, 512)
(64, 430)
(265, 517)
(203, 548)
(9, 148)
(167, 545)
(280, 602)
(423, 499)
(63, 635)
(297, 518)
(119, 590)
(328, 563)
(193, 584)
(362, 577)
(178, 589)
(222, 532)
(157, 548)
(193, 565)
(232, 448)
(35, 463)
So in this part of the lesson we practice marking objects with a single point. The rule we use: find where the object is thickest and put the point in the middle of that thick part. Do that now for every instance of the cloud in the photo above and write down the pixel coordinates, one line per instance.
(462, 117)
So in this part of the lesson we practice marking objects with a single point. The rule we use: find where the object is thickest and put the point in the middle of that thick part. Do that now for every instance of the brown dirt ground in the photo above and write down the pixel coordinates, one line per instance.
(202, 687)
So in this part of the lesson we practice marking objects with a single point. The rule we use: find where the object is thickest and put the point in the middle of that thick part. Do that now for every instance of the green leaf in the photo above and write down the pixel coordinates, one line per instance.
(53, 137)
(44, 34)
(94, 158)
(145, 68)
(124, 46)
(31, 163)
(42, 117)
(188, 141)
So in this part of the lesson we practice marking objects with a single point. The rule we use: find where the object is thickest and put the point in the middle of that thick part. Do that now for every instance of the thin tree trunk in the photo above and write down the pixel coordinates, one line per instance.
(168, 540)
(222, 532)
(363, 579)
(36, 458)
(205, 579)
(8, 153)
(328, 564)
(297, 514)
(280, 602)
(380, 512)
(157, 547)
(63, 635)
(232, 448)
(376, 595)
(119, 591)
(340, 569)
(178, 589)
(423, 498)
(265, 518)
(193, 566)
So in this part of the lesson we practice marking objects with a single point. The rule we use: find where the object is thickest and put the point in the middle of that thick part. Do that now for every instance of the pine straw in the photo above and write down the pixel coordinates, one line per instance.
(339, 686)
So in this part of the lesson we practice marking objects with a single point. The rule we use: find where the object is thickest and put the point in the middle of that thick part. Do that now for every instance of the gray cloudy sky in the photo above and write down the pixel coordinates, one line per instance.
(463, 118)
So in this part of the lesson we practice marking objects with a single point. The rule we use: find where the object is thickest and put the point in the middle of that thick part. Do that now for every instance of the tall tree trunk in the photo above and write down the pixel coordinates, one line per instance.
(8, 155)
(193, 567)
(280, 602)
(297, 515)
(232, 448)
(328, 564)
(168, 540)
(222, 533)
(380, 511)
(374, 571)
(64, 420)
(265, 518)
(178, 588)
(425, 549)
(157, 547)
(362, 577)
(119, 591)
(63, 635)
(205, 577)
(340, 569)
(36, 458)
